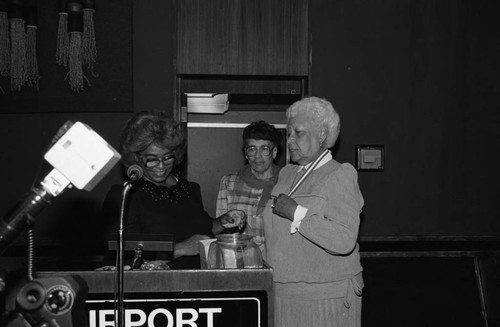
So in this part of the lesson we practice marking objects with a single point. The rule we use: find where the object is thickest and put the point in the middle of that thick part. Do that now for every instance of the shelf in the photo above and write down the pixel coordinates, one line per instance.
(244, 84)
(247, 93)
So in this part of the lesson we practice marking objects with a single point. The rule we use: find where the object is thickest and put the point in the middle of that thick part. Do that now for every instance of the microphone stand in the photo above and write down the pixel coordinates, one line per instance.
(120, 260)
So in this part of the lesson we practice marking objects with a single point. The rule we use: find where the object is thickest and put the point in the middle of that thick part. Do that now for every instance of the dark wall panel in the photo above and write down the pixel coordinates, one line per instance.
(416, 292)
(421, 78)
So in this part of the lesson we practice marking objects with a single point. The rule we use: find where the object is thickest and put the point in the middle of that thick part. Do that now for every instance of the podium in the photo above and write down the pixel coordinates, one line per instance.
(205, 297)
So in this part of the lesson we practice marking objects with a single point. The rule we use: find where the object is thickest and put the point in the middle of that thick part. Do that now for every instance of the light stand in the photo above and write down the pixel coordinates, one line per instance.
(23, 216)
(80, 158)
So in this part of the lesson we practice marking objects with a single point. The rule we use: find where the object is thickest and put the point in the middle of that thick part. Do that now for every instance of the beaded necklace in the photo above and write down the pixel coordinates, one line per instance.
(173, 194)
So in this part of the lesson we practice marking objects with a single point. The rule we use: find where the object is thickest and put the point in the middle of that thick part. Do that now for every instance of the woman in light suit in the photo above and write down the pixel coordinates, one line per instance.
(311, 226)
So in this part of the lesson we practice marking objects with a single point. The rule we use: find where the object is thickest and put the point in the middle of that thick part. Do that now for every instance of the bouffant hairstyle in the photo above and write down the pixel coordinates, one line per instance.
(321, 114)
(260, 130)
(146, 128)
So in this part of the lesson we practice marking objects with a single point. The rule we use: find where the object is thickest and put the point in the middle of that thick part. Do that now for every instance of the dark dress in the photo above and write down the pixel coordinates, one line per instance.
(153, 209)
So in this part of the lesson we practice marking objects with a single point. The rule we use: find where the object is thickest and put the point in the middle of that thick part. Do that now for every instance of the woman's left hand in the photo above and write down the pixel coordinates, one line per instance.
(284, 206)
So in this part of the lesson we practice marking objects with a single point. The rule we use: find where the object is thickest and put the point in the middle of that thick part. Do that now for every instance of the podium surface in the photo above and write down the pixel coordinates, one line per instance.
(205, 297)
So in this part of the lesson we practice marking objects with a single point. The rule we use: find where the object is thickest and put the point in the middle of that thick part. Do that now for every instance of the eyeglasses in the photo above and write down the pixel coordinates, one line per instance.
(264, 150)
(153, 162)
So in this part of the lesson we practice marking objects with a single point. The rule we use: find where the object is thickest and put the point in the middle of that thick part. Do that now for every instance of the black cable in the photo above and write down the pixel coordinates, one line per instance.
(30, 254)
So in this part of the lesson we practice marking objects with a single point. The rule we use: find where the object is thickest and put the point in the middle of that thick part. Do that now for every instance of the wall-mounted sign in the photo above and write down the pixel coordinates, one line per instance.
(370, 157)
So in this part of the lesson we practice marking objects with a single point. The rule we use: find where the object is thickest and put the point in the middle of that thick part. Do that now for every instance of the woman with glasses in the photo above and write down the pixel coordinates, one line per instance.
(312, 224)
(164, 202)
(249, 189)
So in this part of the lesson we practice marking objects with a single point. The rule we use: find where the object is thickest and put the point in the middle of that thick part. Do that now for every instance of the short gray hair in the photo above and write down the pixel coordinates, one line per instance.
(321, 113)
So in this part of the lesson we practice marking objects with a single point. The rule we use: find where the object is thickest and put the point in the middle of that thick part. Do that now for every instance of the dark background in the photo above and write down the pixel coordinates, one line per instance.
(420, 77)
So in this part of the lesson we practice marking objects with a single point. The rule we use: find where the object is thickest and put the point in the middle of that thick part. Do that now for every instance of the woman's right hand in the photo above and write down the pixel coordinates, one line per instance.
(234, 218)
(189, 246)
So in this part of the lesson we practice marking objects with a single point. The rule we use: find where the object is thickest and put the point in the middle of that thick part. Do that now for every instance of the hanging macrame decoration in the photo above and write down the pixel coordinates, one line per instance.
(18, 65)
(75, 75)
(32, 76)
(4, 40)
(62, 46)
(89, 49)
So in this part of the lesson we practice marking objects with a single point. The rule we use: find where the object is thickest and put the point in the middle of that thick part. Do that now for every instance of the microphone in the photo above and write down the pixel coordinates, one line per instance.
(134, 173)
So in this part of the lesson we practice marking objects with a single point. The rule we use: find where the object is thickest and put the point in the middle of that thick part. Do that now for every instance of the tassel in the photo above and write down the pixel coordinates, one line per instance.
(4, 40)
(62, 46)
(17, 45)
(18, 54)
(32, 76)
(31, 59)
(75, 75)
(89, 48)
